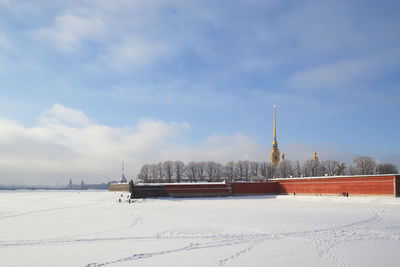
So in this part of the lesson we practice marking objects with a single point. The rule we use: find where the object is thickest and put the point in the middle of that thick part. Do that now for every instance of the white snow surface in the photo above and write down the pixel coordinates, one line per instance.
(91, 228)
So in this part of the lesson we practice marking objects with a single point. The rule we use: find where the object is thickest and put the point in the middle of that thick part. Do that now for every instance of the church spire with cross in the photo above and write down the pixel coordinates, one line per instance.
(123, 179)
(275, 154)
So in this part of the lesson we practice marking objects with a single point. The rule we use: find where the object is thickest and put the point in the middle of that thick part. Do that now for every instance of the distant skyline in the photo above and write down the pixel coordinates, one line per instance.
(86, 85)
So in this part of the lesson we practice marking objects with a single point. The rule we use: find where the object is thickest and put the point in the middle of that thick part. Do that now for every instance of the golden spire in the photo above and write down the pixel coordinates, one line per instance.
(275, 155)
(274, 142)
(315, 158)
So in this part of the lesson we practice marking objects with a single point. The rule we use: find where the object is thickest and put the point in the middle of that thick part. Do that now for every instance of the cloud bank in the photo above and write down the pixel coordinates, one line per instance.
(66, 144)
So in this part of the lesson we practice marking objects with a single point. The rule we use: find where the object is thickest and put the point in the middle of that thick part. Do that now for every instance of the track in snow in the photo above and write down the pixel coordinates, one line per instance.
(324, 240)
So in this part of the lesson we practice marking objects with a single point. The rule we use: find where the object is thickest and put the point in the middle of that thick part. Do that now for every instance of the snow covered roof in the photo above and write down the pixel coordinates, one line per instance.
(184, 183)
(337, 176)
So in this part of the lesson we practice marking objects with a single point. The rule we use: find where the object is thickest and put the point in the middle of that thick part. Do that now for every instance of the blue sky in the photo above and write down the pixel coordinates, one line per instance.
(202, 74)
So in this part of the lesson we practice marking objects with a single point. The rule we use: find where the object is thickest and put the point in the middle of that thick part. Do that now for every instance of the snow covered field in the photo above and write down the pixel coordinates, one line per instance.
(89, 228)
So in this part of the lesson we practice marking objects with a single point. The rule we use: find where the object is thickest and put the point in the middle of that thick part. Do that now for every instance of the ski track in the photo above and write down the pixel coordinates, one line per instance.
(51, 209)
(325, 240)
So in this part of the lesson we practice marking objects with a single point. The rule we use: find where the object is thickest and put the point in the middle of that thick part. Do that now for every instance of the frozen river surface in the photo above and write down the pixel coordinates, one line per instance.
(71, 228)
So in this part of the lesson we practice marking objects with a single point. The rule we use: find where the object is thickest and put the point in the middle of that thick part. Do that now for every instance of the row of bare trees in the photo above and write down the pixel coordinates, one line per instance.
(244, 170)
(366, 165)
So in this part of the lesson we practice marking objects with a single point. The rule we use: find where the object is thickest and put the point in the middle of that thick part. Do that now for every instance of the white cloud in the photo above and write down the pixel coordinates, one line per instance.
(4, 42)
(173, 92)
(5, 47)
(133, 52)
(132, 34)
(338, 73)
(59, 114)
(69, 31)
(56, 150)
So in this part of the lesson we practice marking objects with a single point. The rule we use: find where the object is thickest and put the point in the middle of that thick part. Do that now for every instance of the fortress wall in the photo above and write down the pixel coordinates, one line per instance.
(384, 185)
(119, 187)
(367, 185)
(196, 185)
(260, 188)
(197, 190)
(149, 190)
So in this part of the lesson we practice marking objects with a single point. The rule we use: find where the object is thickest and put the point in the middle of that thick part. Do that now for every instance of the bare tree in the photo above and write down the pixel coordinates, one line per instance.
(364, 165)
(168, 167)
(239, 170)
(330, 166)
(312, 168)
(219, 172)
(318, 169)
(254, 167)
(230, 170)
(201, 170)
(386, 168)
(242, 169)
(297, 169)
(267, 170)
(333, 167)
(210, 170)
(246, 170)
(179, 168)
(351, 170)
(144, 174)
(263, 169)
(159, 167)
(306, 168)
(341, 169)
(285, 168)
(153, 172)
(191, 171)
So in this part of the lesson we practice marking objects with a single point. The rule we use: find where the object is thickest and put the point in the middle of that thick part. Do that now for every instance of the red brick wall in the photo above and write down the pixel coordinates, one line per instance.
(254, 188)
(197, 189)
(369, 185)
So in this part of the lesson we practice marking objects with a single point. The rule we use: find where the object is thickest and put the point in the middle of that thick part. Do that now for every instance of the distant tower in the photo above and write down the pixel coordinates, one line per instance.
(275, 155)
(69, 186)
(315, 157)
(123, 179)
